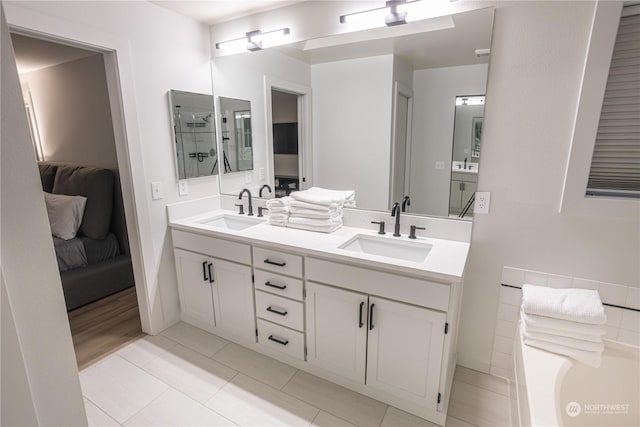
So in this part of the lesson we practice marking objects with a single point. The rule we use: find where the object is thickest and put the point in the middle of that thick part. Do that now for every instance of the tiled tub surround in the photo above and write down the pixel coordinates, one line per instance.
(405, 357)
(622, 306)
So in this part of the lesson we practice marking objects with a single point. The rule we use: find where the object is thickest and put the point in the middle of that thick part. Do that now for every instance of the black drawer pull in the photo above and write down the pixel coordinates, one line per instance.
(361, 323)
(210, 274)
(281, 313)
(279, 341)
(371, 316)
(271, 285)
(204, 271)
(279, 264)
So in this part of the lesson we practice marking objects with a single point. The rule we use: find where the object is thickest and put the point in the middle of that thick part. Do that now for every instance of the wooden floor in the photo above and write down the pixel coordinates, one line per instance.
(100, 328)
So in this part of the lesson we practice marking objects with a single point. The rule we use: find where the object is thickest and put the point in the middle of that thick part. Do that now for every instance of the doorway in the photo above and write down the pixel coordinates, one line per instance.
(70, 116)
(286, 162)
(401, 146)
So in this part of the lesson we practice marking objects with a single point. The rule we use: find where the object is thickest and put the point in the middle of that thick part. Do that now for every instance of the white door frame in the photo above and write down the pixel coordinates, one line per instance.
(305, 135)
(119, 73)
(400, 89)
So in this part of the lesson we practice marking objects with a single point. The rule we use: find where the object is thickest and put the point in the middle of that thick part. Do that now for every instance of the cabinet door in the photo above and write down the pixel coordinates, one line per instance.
(196, 301)
(455, 197)
(469, 189)
(405, 350)
(336, 330)
(233, 299)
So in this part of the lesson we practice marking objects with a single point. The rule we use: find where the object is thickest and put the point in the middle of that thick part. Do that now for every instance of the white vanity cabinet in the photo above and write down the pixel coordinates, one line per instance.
(215, 284)
(463, 186)
(393, 347)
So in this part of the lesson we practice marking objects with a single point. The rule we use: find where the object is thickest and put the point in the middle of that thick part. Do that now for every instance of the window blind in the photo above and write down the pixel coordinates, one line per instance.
(615, 166)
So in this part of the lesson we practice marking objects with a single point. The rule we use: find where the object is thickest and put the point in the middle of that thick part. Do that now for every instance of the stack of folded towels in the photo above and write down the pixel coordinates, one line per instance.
(315, 209)
(278, 211)
(564, 321)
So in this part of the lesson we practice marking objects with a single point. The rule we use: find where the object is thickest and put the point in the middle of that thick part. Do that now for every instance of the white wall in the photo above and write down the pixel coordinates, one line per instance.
(242, 76)
(435, 92)
(37, 352)
(537, 60)
(157, 50)
(71, 104)
(352, 102)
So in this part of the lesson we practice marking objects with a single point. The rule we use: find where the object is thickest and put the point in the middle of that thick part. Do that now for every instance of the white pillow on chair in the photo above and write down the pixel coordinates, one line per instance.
(65, 214)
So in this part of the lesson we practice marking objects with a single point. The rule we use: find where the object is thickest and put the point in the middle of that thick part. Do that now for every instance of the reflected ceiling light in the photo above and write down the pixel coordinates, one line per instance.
(470, 100)
(395, 12)
(255, 40)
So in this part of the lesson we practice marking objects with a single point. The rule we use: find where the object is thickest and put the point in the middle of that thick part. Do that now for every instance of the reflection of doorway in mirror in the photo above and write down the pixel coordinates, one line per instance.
(284, 108)
(401, 145)
(476, 136)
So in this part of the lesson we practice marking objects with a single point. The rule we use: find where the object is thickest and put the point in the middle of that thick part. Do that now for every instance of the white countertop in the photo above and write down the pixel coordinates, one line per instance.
(445, 261)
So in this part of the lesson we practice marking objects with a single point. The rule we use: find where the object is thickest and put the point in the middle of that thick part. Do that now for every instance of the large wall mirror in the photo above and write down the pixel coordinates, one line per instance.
(193, 124)
(235, 135)
(383, 110)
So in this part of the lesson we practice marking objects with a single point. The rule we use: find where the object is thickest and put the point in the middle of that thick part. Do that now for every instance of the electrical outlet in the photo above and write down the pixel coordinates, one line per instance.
(157, 192)
(183, 187)
(440, 165)
(481, 205)
(248, 177)
(261, 173)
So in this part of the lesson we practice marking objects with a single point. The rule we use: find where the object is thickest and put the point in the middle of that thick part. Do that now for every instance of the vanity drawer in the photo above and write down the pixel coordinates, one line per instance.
(280, 262)
(411, 290)
(211, 246)
(281, 339)
(279, 285)
(279, 310)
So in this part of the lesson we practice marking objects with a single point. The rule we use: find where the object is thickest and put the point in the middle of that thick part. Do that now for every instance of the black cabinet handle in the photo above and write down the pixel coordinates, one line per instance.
(279, 341)
(371, 316)
(271, 285)
(204, 271)
(281, 313)
(279, 264)
(210, 273)
(361, 323)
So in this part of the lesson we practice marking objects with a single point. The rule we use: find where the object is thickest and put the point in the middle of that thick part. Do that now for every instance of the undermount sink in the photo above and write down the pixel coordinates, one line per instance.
(386, 247)
(231, 222)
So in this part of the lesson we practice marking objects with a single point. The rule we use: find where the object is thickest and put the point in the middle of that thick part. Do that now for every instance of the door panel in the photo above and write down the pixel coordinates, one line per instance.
(233, 298)
(195, 289)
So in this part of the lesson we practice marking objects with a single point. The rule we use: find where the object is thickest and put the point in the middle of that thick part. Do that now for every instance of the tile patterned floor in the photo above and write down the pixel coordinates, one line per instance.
(187, 377)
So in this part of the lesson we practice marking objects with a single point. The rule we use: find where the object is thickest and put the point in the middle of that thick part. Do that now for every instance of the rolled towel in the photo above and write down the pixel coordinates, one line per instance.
(591, 338)
(578, 344)
(323, 196)
(577, 305)
(562, 326)
(313, 206)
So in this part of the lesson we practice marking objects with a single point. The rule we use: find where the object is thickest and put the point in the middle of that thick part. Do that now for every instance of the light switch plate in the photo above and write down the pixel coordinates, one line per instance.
(157, 193)
(261, 173)
(183, 187)
(440, 165)
(481, 205)
(248, 178)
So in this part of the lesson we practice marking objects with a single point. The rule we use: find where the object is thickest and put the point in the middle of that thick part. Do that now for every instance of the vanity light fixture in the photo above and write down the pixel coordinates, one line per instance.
(255, 40)
(395, 12)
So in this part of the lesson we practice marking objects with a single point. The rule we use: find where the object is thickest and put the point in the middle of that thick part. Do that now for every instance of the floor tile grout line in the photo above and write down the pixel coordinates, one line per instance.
(471, 383)
(479, 388)
(147, 405)
(384, 416)
(315, 417)
(98, 406)
(289, 380)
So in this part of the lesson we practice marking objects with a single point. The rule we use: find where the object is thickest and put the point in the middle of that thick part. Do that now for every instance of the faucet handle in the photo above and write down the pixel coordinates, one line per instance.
(381, 224)
(260, 209)
(241, 206)
(412, 231)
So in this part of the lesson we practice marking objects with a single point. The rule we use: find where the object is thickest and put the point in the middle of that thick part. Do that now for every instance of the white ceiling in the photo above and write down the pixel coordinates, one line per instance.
(34, 54)
(215, 11)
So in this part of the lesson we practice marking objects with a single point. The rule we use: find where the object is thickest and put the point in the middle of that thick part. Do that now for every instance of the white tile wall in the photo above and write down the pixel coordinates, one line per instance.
(622, 325)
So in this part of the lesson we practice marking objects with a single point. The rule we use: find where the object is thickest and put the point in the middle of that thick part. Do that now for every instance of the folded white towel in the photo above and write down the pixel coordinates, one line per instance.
(278, 216)
(316, 213)
(315, 222)
(589, 358)
(562, 326)
(319, 228)
(282, 202)
(313, 206)
(560, 333)
(562, 340)
(284, 209)
(577, 305)
(323, 196)
(278, 222)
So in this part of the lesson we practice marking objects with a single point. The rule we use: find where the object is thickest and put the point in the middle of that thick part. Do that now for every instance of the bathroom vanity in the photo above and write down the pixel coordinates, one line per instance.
(376, 314)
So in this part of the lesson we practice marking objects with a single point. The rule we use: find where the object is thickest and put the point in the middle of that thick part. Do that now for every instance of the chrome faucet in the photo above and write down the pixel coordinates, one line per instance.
(262, 188)
(250, 213)
(395, 211)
